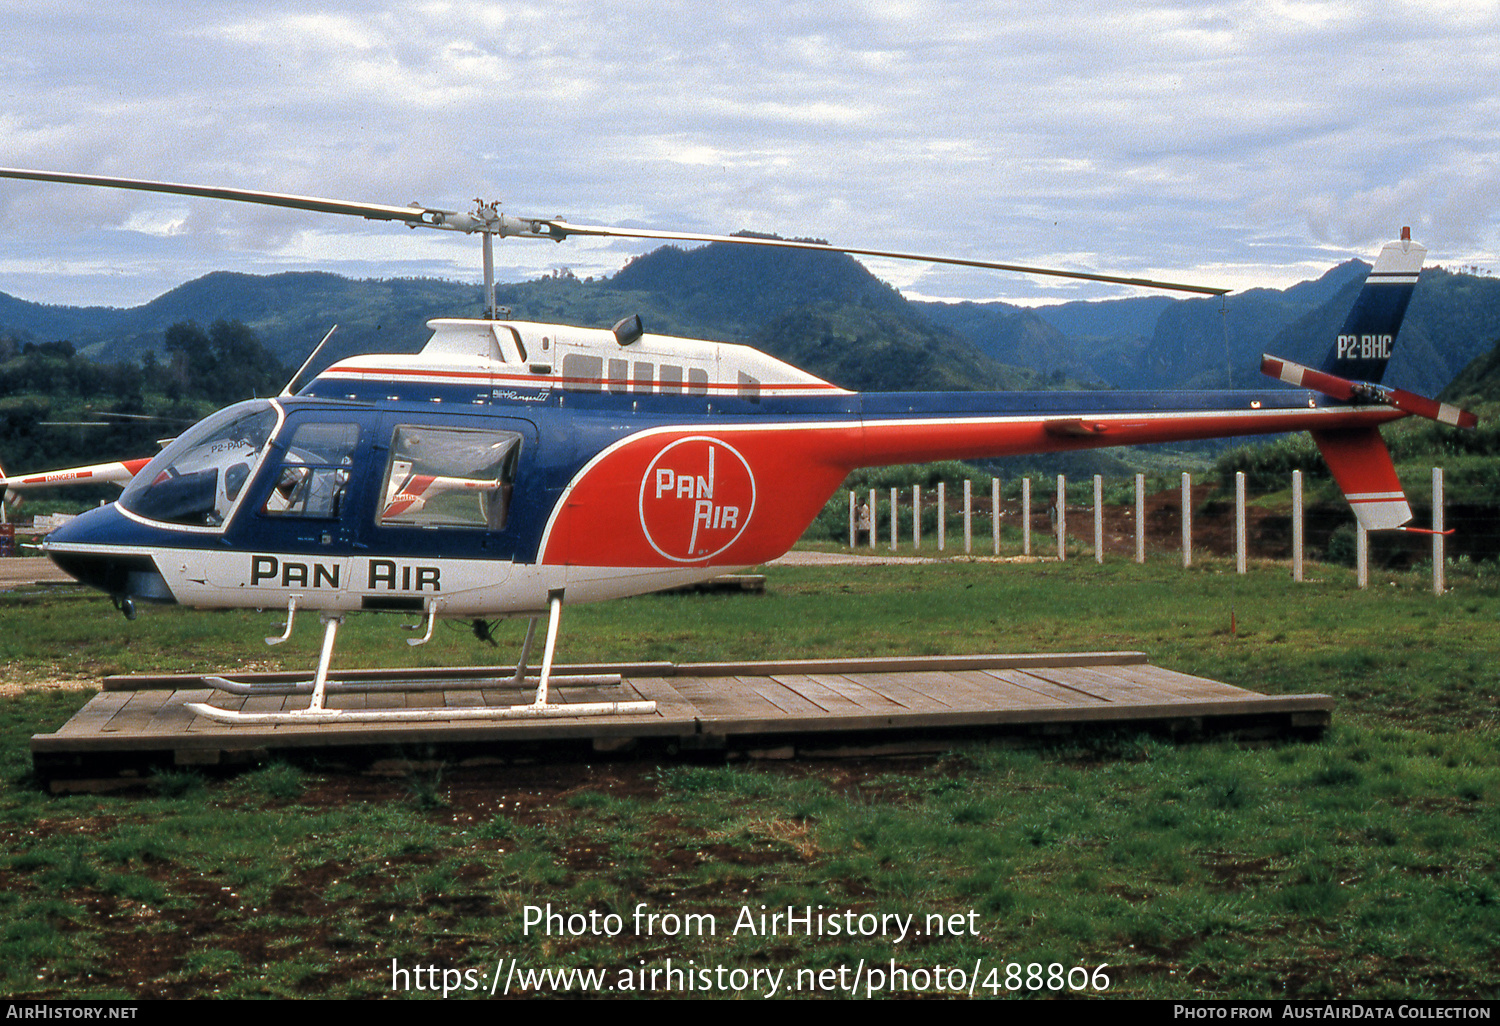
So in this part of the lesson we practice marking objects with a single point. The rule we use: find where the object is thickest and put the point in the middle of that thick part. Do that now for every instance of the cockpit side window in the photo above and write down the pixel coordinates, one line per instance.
(314, 477)
(196, 480)
(449, 477)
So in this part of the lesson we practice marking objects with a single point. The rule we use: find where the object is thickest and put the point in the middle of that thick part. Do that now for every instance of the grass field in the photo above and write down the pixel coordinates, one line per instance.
(1362, 864)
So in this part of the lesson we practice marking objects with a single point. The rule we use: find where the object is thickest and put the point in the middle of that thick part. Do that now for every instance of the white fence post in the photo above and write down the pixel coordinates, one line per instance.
(1298, 538)
(916, 516)
(894, 510)
(968, 516)
(995, 511)
(942, 515)
(1025, 516)
(1187, 519)
(874, 520)
(1239, 522)
(1362, 554)
(1439, 554)
(1140, 518)
(1062, 517)
(851, 520)
(1098, 519)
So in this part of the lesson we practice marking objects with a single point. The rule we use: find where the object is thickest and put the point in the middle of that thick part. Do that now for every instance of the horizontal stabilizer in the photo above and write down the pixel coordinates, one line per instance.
(1361, 391)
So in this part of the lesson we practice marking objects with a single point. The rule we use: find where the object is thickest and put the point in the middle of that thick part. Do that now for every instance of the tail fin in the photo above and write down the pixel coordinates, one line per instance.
(1364, 346)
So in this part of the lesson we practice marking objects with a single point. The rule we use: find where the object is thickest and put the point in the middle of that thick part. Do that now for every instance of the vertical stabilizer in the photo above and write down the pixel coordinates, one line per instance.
(1364, 345)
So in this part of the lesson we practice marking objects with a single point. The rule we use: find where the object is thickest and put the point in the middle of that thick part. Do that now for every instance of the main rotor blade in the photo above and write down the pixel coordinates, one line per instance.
(562, 229)
(373, 211)
(491, 222)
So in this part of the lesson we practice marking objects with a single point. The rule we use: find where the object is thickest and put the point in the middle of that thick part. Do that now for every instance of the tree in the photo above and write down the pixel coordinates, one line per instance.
(225, 364)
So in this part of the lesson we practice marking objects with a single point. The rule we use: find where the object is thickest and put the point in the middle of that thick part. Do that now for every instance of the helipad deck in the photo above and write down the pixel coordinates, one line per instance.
(791, 707)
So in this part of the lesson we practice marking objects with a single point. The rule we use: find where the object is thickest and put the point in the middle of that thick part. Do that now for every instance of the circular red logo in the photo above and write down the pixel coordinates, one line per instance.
(696, 498)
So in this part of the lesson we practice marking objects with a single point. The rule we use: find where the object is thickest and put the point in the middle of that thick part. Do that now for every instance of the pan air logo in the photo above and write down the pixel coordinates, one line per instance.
(696, 498)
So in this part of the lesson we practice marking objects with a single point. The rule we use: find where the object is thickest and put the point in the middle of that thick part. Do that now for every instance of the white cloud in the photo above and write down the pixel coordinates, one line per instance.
(1169, 138)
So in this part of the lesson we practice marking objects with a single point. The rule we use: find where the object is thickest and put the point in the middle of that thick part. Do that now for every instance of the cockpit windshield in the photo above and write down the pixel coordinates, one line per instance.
(197, 479)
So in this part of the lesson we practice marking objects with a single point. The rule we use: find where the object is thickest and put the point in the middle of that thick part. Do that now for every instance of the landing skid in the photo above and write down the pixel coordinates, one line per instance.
(318, 712)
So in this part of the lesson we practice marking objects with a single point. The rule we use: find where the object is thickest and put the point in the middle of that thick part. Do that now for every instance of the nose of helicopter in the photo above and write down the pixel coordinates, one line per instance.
(92, 548)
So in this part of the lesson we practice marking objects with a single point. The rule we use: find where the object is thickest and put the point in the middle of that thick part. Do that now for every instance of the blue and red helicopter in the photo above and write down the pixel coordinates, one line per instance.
(510, 466)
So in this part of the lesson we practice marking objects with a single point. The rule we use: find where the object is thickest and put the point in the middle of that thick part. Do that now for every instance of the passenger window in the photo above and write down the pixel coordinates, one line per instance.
(749, 387)
(644, 377)
(449, 477)
(581, 373)
(619, 375)
(314, 477)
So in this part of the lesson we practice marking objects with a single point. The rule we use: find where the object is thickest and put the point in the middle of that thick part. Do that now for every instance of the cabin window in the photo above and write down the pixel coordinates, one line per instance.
(671, 378)
(749, 387)
(314, 477)
(582, 373)
(619, 375)
(449, 477)
(697, 381)
(645, 376)
(196, 481)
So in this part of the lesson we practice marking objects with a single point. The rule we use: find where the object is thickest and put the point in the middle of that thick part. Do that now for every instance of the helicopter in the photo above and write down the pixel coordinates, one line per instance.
(511, 466)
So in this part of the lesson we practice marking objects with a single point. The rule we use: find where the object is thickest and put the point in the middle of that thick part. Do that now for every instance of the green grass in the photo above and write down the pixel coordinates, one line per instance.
(1361, 864)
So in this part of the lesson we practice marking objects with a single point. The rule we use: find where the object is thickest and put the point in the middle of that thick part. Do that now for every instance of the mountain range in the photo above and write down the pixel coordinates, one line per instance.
(826, 313)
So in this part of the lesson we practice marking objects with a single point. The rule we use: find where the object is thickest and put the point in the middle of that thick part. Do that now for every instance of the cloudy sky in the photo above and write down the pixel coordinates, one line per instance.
(1237, 144)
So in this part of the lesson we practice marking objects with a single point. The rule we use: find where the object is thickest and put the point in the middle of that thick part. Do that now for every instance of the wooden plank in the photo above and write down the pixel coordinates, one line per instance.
(909, 664)
(1174, 683)
(670, 703)
(95, 715)
(337, 698)
(1117, 687)
(721, 697)
(896, 688)
(1063, 696)
(819, 693)
(952, 691)
(174, 718)
(781, 696)
(958, 690)
(1008, 694)
(269, 703)
(136, 712)
(868, 700)
(1099, 689)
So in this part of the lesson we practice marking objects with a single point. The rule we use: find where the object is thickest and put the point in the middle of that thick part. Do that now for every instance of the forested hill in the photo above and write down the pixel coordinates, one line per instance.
(825, 313)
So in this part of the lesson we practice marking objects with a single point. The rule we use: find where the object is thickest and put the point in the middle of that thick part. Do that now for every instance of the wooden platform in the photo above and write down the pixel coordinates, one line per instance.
(790, 707)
